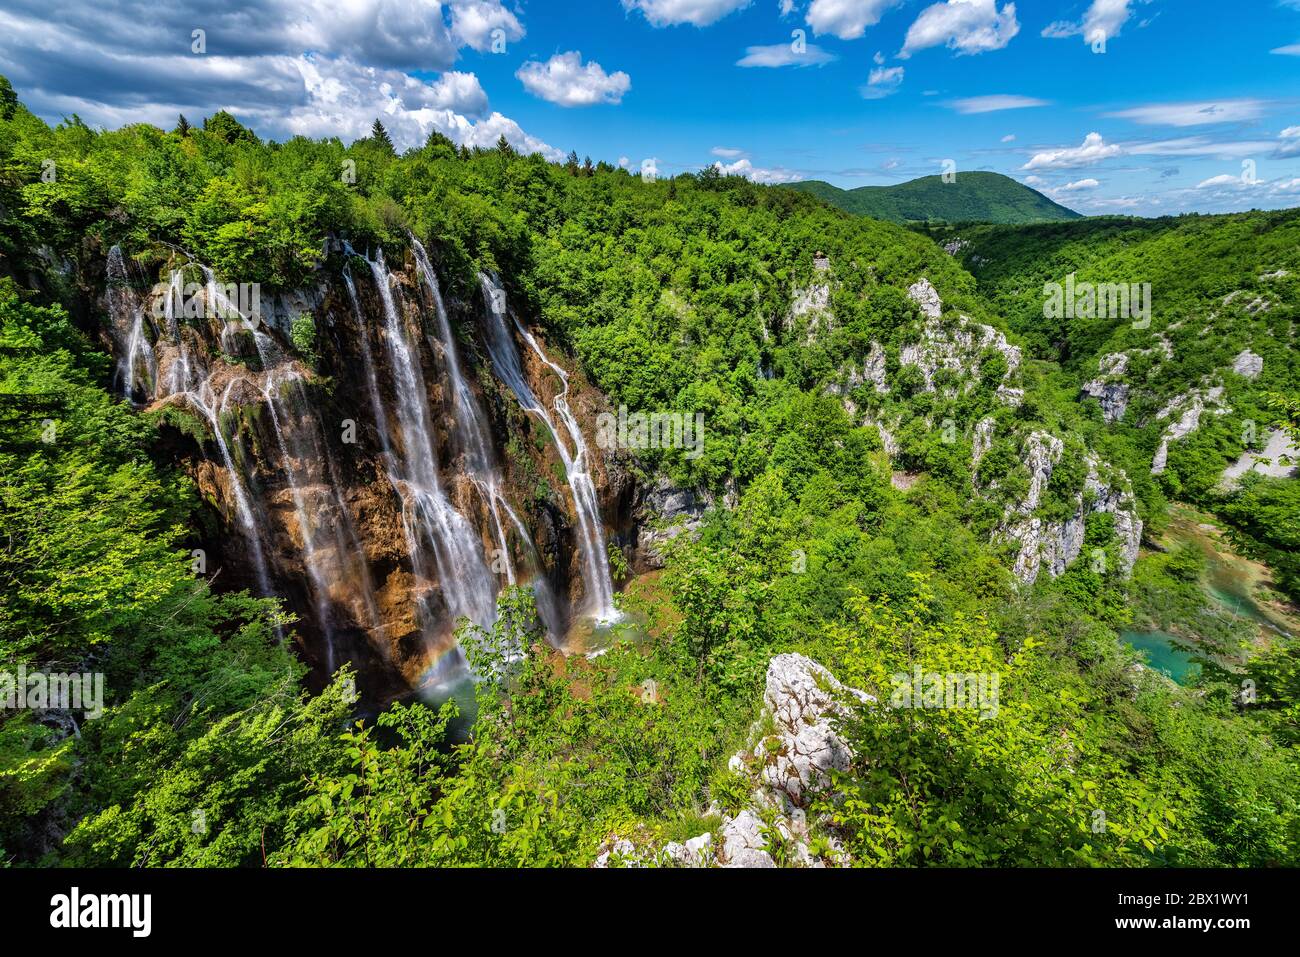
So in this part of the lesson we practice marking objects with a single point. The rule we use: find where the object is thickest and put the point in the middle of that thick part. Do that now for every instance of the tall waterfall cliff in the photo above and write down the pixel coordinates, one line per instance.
(385, 450)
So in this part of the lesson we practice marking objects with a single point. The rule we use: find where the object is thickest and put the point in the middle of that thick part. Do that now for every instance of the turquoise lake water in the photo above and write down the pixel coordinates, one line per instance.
(1163, 654)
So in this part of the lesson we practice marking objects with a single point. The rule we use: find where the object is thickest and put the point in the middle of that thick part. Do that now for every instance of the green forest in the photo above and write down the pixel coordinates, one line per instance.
(976, 197)
(871, 554)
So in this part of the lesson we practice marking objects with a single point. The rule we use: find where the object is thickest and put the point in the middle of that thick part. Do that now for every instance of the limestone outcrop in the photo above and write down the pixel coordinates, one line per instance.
(802, 703)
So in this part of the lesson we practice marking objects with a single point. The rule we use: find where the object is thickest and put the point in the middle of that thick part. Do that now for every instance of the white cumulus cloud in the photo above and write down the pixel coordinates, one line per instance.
(1103, 20)
(284, 67)
(698, 13)
(480, 23)
(882, 82)
(967, 26)
(1093, 150)
(743, 167)
(566, 81)
(846, 19)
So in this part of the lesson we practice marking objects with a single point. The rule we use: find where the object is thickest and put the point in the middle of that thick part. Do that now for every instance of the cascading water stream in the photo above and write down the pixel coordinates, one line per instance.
(179, 375)
(505, 359)
(427, 516)
(185, 379)
(368, 362)
(137, 369)
(471, 424)
(318, 580)
(204, 400)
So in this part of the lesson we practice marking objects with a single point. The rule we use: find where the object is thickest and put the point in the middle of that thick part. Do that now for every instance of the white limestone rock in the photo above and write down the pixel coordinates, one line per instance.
(983, 439)
(743, 842)
(1190, 405)
(874, 370)
(697, 852)
(1277, 460)
(803, 698)
(813, 303)
(926, 297)
(1248, 364)
(620, 852)
(956, 346)
(1053, 546)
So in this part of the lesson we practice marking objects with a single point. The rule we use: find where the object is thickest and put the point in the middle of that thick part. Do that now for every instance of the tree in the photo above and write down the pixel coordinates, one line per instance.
(440, 146)
(8, 99)
(226, 128)
(182, 127)
(380, 135)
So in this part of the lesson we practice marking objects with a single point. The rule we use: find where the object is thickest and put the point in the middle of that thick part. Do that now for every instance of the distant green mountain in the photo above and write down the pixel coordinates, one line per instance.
(971, 197)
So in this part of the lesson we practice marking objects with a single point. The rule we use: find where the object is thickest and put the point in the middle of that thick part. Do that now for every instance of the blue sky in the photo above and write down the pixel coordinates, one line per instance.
(1138, 106)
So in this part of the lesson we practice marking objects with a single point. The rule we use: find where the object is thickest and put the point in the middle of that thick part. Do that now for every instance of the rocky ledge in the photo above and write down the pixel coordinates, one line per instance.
(794, 746)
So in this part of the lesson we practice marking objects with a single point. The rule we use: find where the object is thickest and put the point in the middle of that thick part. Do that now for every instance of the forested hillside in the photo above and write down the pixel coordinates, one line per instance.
(1207, 378)
(973, 197)
(898, 471)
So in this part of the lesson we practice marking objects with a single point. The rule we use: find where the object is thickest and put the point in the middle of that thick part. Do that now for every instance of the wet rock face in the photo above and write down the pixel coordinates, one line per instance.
(666, 512)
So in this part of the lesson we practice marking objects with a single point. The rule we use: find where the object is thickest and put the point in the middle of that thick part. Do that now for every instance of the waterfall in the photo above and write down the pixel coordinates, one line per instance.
(202, 398)
(472, 432)
(505, 359)
(427, 516)
(319, 582)
(471, 427)
(179, 376)
(368, 362)
(137, 368)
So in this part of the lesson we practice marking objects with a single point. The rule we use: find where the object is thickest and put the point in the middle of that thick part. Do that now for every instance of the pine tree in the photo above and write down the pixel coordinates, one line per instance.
(380, 135)
(183, 127)
(504, 147)
(571, 164)
(8, 99)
